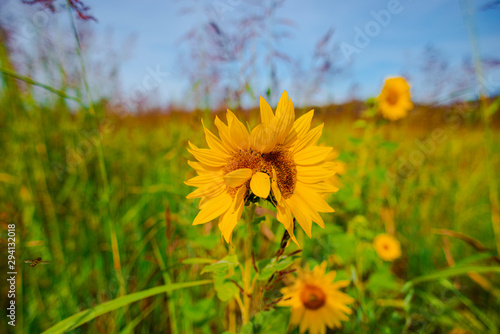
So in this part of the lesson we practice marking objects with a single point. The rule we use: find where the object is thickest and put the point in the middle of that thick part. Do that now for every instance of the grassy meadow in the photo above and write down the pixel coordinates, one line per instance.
(101, 195)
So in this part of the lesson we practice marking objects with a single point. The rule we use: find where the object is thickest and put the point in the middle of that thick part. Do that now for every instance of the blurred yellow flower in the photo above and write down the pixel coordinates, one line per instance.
(316, 301)
(395, 100)
(387, 247)
(278, 161)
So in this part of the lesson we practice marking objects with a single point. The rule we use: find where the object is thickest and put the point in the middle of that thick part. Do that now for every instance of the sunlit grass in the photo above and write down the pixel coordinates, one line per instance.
(71, 179)
(146, 161)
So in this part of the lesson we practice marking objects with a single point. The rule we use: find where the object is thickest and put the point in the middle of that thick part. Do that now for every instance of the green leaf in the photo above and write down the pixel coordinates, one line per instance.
(379, 173)
(226, 290)
(359, 124)
(493, 108)
(268, 267)
(381, 281)
(258, 220)
(455, 271)
(346, 156)
(249, 90)
(344, 245)
(201, 311)
(366, 257)
(268, 322)
(39, 84)
(83, 317)
(222, 265)
(389, 145)
(471, 306)
(474, 258)
(372, 111)
(355, 141)
(360, 227)
(247, 328)
(198, 260)
(371, 101)
(208, 242)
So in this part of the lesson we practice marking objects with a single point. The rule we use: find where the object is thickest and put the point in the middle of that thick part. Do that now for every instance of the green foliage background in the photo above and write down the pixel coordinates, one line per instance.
(102, 197)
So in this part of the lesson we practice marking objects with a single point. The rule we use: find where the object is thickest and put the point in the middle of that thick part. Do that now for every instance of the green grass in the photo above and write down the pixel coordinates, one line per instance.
(54, 189)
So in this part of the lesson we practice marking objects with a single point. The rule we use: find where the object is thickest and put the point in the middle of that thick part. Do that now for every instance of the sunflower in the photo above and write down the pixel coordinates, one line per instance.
(387, 247)
(278, 161)
(395, 100)
(316, 301)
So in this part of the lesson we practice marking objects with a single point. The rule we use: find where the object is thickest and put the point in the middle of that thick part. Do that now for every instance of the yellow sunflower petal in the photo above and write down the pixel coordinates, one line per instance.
(238, 131)
(224, 134)
(237, 177)
(306, 321)
(300, 128)
(207, 157)
(201, 180)
(313, 174)
(215, 143)
(263, 138)
(208, 190)
(285, 116)
(298, 209)
(201, 168)
(266, 112)
(233, 215)
(340, 284)
(284, 216)
(310, 208)
(260, 184)
(274, 186)
(213, 209)
(316, 217)
(297, 315)
(311, 155)
(315, 200)
(323, 187)
(282, 104)
(330, 277)
(309, 139)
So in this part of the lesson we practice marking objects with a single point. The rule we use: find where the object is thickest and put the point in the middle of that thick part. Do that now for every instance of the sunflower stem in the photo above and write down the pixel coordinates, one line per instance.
(363, 158)
(232, 316)
(247, 275)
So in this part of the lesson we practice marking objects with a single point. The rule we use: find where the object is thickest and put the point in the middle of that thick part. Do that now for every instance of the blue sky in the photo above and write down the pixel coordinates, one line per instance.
(393, 50)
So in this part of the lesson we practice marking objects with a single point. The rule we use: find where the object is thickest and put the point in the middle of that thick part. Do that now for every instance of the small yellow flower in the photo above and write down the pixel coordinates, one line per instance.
(387, 247)
(279, 161)
(316, 301)
(395, 99)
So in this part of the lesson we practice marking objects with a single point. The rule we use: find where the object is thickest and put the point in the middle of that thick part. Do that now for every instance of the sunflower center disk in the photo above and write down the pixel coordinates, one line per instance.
(280, 159)
(392, 97)
(312, 297)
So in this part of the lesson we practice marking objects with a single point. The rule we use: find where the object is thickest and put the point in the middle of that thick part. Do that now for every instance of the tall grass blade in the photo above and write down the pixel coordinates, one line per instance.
(83, 317)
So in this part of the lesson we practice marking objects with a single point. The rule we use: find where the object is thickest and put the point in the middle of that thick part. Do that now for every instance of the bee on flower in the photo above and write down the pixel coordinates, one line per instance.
(316, 301)
(279, 161)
